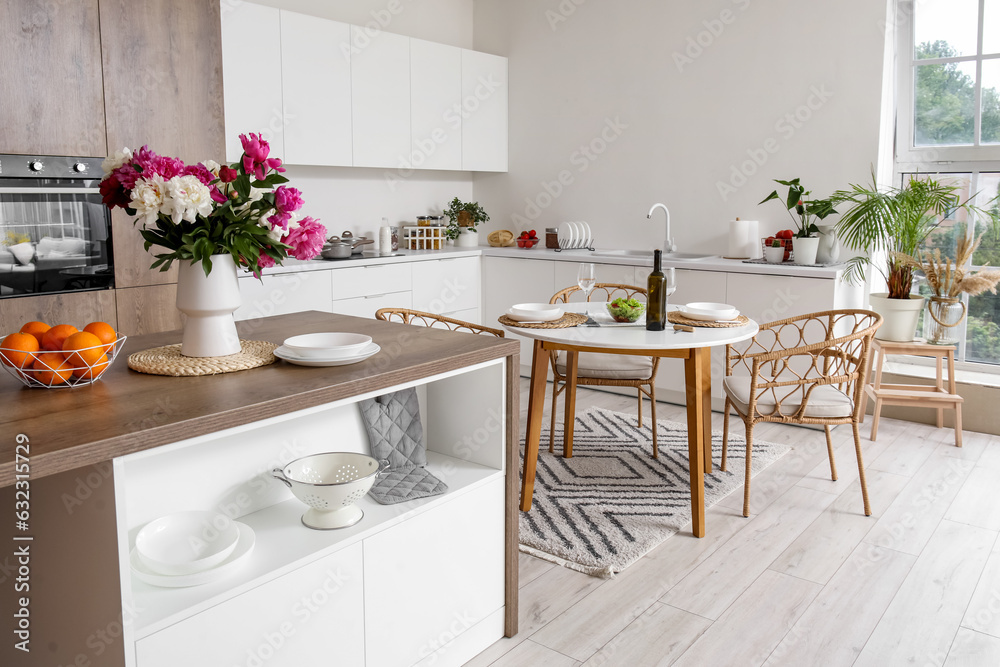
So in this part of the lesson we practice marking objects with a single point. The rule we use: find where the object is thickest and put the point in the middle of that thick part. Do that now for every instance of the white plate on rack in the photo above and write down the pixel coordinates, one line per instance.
(577, 234)
(289, 356)
(565, 235)
(236, 559)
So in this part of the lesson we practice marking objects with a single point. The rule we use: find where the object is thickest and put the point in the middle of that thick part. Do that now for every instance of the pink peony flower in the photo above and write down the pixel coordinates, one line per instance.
(287, 199)
(255, 156)
(279, 219)
(227, 175)
(307, 239)
(264, 261)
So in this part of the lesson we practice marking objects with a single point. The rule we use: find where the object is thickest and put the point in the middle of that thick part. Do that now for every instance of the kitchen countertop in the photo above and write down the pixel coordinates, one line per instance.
(600, 256)
(126, 411)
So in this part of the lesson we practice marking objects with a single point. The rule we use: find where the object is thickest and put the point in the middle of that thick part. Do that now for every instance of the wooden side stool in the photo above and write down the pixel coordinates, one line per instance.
(916, 395)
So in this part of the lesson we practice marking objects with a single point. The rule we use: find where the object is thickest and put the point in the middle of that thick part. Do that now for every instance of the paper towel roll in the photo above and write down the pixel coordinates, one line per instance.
(738, 230)
(384, 240)
(754, 250)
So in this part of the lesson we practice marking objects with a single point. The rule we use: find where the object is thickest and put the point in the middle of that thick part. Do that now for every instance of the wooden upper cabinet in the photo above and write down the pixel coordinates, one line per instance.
(163, 86)
(50, 74)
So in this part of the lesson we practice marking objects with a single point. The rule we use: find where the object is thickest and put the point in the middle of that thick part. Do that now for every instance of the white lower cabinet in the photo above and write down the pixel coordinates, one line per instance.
(508, 281)
(314, 617)
(283, 293)
(446, 286)
(366, 306)
(447, 580)
(565, 274)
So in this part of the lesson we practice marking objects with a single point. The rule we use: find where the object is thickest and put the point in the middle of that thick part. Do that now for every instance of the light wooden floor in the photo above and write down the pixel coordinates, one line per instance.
(807, 580)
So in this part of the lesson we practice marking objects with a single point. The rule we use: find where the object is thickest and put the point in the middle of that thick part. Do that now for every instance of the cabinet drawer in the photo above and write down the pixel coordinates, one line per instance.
(370, 280)
(284, 293)
(314, 617)
(365, 306)
(446, 285)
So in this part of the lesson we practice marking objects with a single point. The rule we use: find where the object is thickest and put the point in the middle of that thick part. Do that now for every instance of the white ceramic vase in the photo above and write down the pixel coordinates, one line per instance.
(774, 255)
(467, 238)
(804, 249)
(208, 303)
(899, 316)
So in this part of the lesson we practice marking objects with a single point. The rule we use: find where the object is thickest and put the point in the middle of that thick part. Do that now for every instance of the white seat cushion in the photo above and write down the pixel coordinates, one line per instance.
(824, 401)
(608, 366)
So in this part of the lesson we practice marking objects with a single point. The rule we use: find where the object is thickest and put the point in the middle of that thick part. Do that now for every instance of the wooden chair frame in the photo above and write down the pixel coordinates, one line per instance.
(407, 316)
(841, 358)
(644, 386)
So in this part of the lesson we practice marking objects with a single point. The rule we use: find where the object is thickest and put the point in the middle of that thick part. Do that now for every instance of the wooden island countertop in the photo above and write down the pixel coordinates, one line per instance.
(126, 411)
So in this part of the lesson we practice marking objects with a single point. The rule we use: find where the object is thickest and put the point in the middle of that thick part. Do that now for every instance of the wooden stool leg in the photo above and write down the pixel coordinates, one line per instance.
(958, 424)
(878, 401)
(939, 383)
(829, 450)
(952, 390)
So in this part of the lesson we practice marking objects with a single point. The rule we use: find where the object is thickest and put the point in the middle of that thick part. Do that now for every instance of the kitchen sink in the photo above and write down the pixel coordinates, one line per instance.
(648, 254)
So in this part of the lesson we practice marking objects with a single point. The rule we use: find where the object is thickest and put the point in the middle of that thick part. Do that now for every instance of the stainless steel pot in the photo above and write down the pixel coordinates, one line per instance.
(338, 250)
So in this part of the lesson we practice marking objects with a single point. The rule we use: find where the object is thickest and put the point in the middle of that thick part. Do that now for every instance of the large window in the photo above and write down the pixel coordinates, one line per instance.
(948, 125)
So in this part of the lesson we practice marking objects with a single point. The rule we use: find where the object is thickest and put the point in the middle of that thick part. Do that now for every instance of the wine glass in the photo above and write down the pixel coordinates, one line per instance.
(586, 279)
(670, 280)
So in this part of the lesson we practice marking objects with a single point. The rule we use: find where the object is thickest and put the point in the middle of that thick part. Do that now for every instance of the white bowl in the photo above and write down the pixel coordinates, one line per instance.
(535, 312)
(327, 345)
(709, 312)
(186, 542)
(330, 484)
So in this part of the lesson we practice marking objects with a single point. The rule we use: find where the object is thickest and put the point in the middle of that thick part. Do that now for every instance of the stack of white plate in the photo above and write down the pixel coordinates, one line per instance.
(190, 549)
(327, 349)
(535, 312)
(575, 235)
(709, 312)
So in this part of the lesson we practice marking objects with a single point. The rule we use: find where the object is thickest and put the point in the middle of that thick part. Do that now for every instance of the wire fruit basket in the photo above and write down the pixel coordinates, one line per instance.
(43, 369)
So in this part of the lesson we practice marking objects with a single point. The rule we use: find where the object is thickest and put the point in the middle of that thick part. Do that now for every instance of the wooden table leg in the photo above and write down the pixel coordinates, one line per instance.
(695, 372)
(536, 401)
(569, 417)
(879, 361)
(706, 361)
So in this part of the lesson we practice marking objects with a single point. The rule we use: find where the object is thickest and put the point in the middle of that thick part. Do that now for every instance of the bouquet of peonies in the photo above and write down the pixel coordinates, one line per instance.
(196, 211)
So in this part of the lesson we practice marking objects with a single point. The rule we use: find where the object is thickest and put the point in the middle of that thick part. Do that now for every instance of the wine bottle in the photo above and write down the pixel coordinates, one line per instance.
(656, 297)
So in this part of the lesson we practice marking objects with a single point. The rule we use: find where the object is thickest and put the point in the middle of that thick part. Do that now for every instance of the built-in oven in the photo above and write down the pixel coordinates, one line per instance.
(55, 235)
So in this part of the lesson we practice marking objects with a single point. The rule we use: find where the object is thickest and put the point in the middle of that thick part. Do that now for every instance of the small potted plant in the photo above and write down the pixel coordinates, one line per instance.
(462, 221)
(806, 242)
(774, 253)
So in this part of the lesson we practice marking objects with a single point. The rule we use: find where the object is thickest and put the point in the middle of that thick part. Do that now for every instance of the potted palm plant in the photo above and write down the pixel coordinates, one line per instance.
(886, 224)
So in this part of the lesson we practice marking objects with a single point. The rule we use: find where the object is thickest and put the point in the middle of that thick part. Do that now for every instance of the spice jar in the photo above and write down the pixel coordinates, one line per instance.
(423, 221)
(551, 237)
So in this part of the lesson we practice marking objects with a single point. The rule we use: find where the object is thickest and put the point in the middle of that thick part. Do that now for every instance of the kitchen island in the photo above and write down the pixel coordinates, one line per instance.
(208, 443)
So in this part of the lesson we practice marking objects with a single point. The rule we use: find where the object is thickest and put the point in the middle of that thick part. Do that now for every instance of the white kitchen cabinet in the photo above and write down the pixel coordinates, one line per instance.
(484, 111)
(316, 90)
(766, 298)
(320, 622)
(691, 285)
(380, 98)
(445, 286)
(284, 293)
(367, 306)
(507, 281)
(565, 274)
(371, 280)
(435, 97)
(250, 106)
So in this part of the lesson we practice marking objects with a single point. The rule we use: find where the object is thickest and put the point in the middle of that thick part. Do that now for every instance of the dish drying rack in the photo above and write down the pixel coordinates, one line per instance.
(587, 245)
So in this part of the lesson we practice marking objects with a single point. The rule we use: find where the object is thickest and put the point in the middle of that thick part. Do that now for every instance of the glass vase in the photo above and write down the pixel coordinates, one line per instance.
(944, 314)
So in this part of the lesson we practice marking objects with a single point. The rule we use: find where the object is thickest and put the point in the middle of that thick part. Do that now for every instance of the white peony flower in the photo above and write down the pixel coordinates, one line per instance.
(212, 166)
(187, 198)
(148, 197)
(112, 162)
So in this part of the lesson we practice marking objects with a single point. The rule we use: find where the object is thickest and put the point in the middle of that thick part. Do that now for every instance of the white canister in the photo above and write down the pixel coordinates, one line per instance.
(385, 240)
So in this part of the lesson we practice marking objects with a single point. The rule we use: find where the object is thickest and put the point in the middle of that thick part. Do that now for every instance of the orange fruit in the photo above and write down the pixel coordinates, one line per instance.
(51, 368)
(36, 329)
(95, 369)
(54, 338)
(105, 332)
(18, 350)
(82, 349)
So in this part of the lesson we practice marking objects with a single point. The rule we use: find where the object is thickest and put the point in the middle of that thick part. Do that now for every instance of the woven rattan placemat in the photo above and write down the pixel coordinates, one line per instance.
(168, 360)
(567, 320)
(676, 318)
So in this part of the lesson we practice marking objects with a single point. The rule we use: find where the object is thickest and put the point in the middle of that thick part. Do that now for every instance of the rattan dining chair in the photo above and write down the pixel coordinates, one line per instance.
(420, 318)
(809, 369)
(605, 370)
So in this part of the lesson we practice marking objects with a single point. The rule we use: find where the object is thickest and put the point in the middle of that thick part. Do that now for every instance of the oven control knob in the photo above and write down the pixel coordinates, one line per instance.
(79, 167)
(36, 165)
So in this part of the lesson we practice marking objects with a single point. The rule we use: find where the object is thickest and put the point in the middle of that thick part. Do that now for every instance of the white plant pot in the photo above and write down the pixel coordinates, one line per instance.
(209, 302)
(774, 255)
(467, 238)
(899, 316)
(804, 249)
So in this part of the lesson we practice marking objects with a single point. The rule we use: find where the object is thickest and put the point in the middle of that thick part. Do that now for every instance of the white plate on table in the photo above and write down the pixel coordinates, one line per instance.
(292, 358)
(235, 560)
(709, 312)
(535, 312)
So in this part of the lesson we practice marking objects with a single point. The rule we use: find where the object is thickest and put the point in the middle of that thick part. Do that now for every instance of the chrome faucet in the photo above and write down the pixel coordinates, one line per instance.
(668, 241)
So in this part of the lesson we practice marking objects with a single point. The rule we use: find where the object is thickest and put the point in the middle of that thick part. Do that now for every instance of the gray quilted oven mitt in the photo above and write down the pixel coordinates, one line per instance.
(395, 434)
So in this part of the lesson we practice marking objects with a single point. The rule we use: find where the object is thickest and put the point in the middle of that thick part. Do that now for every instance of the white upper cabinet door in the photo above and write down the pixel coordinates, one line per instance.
(380, 98)
(484, 112)
(251, 63)
(316, 87)
(435, 98)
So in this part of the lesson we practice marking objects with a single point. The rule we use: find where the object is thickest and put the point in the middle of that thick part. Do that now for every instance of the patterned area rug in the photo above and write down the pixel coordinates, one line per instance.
(603, 509)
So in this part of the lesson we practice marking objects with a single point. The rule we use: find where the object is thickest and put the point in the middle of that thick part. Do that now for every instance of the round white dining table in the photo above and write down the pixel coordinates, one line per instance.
(693, 347)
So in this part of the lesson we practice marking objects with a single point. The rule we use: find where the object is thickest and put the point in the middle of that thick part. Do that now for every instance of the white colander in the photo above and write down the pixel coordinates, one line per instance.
(330, 484)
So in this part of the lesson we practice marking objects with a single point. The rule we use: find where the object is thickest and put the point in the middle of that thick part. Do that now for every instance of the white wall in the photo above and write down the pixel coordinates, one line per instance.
(358, 198)
(674, 129)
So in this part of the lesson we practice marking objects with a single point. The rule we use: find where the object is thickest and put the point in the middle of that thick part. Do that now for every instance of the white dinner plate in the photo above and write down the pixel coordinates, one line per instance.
(709, 312)
(566, 234)
(535, 312)
(586, 235)
(286, 354)
(236, 559)
(577, 235)
(186, 542)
